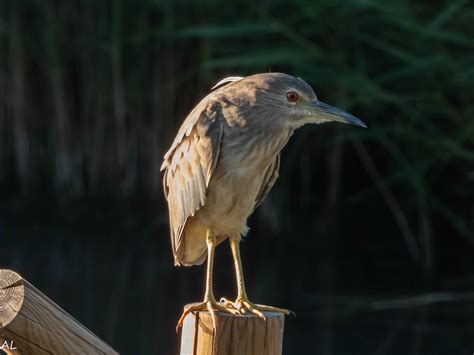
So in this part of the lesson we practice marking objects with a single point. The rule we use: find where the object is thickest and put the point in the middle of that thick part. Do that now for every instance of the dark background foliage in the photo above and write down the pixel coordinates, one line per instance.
(368, 234)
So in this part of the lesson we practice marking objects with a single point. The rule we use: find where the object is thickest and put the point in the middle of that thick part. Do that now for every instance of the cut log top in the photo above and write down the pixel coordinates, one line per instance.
(12, 293)
(235, 335)
(32, 323)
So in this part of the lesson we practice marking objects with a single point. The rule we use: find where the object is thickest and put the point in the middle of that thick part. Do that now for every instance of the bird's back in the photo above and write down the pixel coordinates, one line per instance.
(218, 169)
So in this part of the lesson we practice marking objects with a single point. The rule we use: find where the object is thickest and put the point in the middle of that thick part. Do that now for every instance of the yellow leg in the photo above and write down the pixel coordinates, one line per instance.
(242, 303)
(209, 303)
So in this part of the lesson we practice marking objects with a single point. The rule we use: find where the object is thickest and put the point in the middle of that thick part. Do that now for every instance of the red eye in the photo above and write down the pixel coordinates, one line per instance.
(292, 96)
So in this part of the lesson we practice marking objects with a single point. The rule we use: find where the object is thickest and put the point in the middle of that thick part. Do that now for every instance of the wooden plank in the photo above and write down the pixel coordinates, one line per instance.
(235, 334)
(273, 333)
(205, 336)
(38, 325)
(238, 335)
(223, 337)
(27, 347)
(189, 336)
(8, 346)
(256, 330)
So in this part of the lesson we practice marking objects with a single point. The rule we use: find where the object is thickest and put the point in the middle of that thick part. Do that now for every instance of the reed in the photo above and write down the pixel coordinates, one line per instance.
(92, 92)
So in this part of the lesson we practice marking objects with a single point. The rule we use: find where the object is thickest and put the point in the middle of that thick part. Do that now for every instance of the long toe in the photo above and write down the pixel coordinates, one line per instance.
(273, 309)
(245, 306)
(231, 306)
(208, 305)
(227, 308)
(201, 306)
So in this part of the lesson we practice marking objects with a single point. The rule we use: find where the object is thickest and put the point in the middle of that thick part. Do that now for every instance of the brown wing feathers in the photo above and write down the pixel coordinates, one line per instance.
(189, 166)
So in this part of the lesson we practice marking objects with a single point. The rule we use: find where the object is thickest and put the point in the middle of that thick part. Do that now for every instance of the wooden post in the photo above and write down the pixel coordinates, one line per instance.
(33, 324)
(235, 335)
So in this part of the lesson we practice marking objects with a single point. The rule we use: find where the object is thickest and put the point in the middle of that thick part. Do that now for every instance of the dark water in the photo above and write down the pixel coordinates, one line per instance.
(110, 266)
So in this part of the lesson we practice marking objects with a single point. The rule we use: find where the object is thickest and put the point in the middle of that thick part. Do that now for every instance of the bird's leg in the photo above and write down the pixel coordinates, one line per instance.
(209, 303)
(242, 303)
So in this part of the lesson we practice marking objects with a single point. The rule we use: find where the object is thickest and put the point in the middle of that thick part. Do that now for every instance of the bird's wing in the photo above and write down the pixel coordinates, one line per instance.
(271, 176)
(189, 165)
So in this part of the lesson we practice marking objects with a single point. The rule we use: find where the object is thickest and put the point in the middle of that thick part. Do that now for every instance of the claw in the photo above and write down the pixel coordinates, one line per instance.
(228, 304)
(210, 305)
(274, 309)
(213, 316)
(243, 306)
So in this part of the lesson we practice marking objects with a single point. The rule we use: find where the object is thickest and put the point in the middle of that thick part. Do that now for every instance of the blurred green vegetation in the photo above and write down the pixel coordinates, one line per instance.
(92, 93)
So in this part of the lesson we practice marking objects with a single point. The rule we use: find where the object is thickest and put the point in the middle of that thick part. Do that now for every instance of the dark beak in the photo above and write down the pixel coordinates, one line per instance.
(328, 113)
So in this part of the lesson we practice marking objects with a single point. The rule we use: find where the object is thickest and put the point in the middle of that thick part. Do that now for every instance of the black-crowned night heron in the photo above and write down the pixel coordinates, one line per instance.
(223, 162)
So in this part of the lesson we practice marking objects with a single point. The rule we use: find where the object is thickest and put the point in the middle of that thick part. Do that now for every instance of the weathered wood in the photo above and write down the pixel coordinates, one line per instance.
(235, 335)
(8, 346)
(37, 325)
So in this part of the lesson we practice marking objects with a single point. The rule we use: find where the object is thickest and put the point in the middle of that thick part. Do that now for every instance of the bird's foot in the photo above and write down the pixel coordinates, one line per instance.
(244, 306)
(210, 305)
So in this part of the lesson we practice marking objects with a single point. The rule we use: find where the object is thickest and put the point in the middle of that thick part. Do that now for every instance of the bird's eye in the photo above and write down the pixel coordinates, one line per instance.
(292, 96)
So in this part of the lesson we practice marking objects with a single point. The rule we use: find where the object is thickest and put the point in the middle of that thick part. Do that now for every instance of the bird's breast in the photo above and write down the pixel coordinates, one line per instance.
(236, 182)
(230, 200)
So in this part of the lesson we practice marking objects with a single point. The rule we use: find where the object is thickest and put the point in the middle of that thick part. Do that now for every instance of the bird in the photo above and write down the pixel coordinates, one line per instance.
(222, 164)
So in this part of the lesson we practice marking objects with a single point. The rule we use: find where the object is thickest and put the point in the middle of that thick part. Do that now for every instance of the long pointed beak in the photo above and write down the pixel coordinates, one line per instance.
(328, 113)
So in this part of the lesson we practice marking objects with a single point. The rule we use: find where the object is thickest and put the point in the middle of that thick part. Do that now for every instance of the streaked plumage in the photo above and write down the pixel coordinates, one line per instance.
(224, 161)
(212, 161)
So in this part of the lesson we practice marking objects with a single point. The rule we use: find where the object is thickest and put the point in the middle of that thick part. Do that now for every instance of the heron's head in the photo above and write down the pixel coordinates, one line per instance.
(288, 99)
